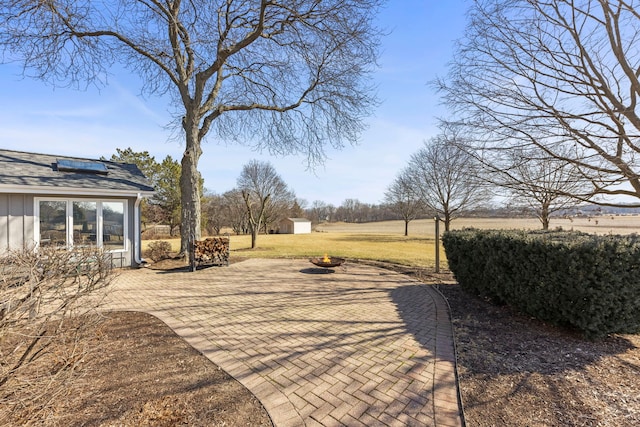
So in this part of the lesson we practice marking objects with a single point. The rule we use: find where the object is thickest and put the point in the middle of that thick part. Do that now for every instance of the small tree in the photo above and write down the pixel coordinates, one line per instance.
(235, 212)
(213, 217)
(264, 192)
(167, 195)
(297, 210)
(403, 198)
(445, 177)
(533, 179)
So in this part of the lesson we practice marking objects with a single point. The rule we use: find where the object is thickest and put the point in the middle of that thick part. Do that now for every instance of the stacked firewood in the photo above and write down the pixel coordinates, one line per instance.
(212, 250)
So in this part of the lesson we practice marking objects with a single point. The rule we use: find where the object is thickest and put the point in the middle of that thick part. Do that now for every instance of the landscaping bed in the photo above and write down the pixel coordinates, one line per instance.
(140, 373)
(515, 370)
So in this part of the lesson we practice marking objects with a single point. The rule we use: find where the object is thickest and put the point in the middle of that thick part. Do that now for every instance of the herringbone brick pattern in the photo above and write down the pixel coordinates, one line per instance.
(360, 347)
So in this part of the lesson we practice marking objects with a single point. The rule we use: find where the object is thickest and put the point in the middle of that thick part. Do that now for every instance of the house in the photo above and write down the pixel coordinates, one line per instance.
(66, 201)
(294, 226)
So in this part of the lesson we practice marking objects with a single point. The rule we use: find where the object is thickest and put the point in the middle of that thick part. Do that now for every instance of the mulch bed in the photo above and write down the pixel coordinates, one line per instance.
(515, 370)
(140, 373)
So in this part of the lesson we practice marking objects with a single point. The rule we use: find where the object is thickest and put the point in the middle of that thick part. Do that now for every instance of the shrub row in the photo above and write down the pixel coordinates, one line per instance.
(567, 278)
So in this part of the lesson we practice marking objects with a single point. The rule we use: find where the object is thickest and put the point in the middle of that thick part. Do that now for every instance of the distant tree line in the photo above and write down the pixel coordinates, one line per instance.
(440, 180)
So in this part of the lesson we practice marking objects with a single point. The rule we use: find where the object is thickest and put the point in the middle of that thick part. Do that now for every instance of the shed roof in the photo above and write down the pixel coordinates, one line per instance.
(23, 172)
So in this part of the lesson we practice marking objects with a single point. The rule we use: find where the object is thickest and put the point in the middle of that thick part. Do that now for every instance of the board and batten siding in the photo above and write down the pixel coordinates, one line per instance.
(16, 222)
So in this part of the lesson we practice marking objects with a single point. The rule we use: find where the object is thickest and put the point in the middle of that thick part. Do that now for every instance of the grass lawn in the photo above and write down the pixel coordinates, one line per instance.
(384, 241)
(417, 251)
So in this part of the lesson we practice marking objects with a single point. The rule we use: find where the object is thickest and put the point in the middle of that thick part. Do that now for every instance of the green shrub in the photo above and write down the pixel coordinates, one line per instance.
(159, 250)
(568, 278)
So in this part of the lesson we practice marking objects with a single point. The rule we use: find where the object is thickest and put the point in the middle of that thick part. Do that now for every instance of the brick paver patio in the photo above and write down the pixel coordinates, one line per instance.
(360, 347)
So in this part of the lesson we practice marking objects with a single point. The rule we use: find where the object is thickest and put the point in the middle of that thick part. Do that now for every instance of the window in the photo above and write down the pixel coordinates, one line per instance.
(82, 223)
(113, 225)
(85, 223)
(53, 223)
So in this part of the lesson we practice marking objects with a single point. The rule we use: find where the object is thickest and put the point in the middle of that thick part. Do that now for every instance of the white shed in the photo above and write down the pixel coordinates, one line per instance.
(294, 226)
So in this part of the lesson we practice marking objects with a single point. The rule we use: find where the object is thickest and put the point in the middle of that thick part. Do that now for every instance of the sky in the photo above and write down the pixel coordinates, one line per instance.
(92, 123)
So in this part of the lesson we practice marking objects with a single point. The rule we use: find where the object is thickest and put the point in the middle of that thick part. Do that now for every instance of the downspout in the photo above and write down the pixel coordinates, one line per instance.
(137, 247)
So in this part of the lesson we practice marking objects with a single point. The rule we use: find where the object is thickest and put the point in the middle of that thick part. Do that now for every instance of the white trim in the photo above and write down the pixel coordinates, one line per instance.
(90, 192)
(99, 224)
(137, 244)
(69, 219)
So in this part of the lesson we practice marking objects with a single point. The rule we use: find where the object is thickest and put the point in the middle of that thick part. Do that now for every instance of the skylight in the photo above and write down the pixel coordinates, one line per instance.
(87, 166)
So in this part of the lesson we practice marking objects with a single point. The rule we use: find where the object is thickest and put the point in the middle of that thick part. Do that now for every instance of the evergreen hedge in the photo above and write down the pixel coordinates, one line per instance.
(568, 278)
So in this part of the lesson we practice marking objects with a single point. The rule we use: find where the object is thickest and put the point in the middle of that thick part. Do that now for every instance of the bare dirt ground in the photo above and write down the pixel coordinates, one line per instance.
(139, 373)
(514, 370)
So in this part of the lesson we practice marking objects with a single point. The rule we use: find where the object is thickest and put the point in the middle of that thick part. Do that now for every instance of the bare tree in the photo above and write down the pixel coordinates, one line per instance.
(264, 192)
(213, 206)
(403, 198)
(46, 296)
(320, 212)
(445, 177)
(560, 76)
(278, 208)
(298, 208)
(533, 179)
(353, 210)
(286, 75)
(235, 212)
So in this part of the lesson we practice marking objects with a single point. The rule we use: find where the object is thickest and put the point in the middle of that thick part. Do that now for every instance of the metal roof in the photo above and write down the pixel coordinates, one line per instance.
(23, 172)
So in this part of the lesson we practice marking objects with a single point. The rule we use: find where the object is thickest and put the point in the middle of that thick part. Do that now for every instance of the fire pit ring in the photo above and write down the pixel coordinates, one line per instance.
(327, 262)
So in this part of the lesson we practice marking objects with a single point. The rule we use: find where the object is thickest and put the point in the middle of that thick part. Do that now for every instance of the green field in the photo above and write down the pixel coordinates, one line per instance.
(384, 241)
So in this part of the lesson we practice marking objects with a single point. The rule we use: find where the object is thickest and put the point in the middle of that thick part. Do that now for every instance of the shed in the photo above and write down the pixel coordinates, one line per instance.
(66, 201)
(294, 226)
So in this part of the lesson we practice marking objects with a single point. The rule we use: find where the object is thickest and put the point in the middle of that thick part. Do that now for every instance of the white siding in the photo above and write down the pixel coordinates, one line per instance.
(295, 226)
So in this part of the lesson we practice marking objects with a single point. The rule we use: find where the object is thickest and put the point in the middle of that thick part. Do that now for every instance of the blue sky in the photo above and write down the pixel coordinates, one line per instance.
(93, 123)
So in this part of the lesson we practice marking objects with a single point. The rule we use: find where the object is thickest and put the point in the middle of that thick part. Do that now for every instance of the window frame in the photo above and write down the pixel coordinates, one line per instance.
(69, 220)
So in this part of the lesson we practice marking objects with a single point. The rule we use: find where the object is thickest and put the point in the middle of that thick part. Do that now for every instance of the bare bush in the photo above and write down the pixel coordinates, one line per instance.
(46, 296)
(159, 250)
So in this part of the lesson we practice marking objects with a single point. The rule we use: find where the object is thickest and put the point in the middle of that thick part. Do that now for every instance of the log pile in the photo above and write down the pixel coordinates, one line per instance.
(211, 251)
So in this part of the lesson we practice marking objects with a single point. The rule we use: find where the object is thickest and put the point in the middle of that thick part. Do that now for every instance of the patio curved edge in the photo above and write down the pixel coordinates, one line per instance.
(278, 407)
(446, 356)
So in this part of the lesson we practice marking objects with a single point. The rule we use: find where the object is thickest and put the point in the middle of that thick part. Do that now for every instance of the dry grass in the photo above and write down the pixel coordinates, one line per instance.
(426, 227)
(417, 251)
(384, 241)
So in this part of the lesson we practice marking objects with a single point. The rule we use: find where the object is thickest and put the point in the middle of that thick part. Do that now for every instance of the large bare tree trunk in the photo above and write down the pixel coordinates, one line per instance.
(190, 190)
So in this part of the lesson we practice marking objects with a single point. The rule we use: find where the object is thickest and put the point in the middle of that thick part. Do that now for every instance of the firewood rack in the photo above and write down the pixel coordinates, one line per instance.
(210, 251)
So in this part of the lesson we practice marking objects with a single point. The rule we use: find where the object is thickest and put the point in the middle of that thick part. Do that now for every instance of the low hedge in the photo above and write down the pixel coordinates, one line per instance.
(568, 278)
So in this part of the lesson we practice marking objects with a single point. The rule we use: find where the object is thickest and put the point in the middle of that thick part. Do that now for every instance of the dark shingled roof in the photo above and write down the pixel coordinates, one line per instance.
(21, 169)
